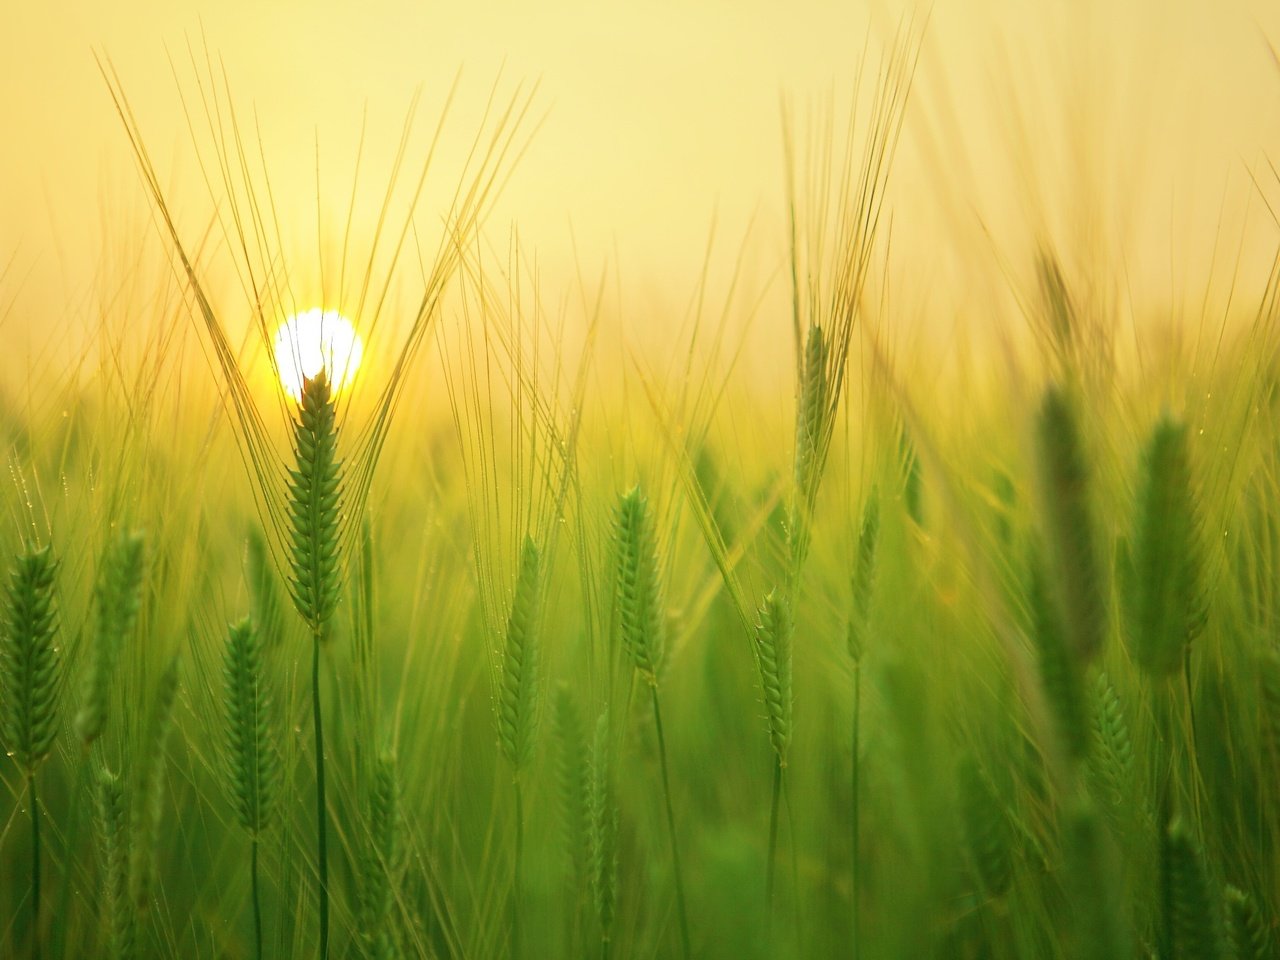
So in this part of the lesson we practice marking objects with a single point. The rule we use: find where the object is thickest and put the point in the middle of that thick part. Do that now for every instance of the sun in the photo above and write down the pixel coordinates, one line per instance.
(316, 340)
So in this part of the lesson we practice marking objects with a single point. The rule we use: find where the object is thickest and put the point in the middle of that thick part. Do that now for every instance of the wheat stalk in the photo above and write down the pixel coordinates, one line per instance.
(315, 512)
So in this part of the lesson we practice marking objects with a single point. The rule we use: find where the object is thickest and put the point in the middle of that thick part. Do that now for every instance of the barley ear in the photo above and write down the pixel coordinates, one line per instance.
(30, 667)
(1073, 567)
(315, 507)
(987, 828)
(1060, 672)
(382, 860)
(571, 777)
(112, 834)
(1197, 922)
(637, 586)
(773, 657)
(1248, 930)
(252, 758)
(811, 427)
(518, 690)
(117, 598)
(1167, 592)
(864, 575)
(1111, 761)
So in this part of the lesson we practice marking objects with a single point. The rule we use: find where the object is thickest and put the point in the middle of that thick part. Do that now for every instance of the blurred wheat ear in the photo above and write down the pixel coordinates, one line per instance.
(1074, 573)
(117, 599)
(1166, 601)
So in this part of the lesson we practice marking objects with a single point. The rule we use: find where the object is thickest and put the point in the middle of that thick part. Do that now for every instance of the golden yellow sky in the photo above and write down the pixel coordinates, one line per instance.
(659, 117)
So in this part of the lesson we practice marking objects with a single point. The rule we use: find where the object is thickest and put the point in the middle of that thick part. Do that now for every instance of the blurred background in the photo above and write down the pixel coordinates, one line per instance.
(1133, 137)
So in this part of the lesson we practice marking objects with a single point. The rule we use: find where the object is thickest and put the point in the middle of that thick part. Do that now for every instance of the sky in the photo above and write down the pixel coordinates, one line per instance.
(1131, 132)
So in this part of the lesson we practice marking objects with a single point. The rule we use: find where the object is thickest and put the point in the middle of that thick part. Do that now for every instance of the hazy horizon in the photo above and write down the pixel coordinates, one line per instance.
(1126, 136)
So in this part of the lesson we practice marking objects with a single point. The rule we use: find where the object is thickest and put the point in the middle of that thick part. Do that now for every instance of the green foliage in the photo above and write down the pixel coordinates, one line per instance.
(30, 666)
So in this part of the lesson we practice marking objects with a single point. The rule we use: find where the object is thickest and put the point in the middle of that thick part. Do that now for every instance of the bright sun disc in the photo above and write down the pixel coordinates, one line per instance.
(317, 340)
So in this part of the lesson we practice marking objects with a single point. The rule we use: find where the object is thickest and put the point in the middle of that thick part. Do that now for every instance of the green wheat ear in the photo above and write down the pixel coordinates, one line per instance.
(252, 759)
(1197, 925)
(1111, 763)
(811, 420)
(382, 859)
(518, 690)
(117, 598)
(864, 575)
(1073, 561)
(1060, 673)
(1249, 934)
(30, 674)
(315, 502)
(987, 828)
(1167, 599)
(112, 833)
(638, 589)
(571, 777)
(773, 656)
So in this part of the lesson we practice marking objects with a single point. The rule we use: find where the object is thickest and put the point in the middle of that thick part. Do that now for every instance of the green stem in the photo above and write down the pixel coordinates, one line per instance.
(257, 900)
(671, 826)
(35, 866)
(1164, 802)
(516, 940)
(66, 848)
(795, 862)
(771, 864)
(854, 822)
(321, 818)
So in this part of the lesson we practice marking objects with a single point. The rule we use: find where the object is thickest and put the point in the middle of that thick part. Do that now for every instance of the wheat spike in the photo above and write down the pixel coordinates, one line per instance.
(30, 666)
(518, 690)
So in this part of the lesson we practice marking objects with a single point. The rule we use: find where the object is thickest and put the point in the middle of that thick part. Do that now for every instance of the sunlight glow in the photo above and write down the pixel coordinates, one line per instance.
(316, 340)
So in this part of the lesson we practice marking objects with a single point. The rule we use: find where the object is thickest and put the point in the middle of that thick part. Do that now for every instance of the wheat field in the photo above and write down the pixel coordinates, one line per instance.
(542, 622)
